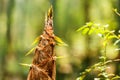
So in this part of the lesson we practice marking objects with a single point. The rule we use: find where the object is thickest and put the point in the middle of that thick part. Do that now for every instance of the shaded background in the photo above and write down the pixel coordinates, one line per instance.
(21, 21)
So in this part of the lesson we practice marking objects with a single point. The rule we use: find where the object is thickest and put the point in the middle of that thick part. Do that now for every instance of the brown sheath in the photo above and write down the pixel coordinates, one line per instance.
(43, 65)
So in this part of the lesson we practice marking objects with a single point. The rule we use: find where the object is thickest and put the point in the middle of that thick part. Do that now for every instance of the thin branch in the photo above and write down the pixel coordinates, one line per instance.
(98, 65)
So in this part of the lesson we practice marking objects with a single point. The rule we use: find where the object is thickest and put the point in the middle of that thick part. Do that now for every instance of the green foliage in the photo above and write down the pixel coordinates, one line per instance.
(100, 66)
(107, 35)
(101, 30)
(59, 41)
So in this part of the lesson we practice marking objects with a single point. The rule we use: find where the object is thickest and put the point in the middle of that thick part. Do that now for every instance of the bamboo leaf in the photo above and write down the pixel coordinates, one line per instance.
(36, 40)
(29, 52)
(61, 44)
(89, 24)
(119, 31)
(60, 41)
(107, 35)
(112, 36)
(23, 64)
(119, 36)
(81, 77)
(85, 31)
(81, 28)
(96, 25)
(59, 57)
(116, 77)
(90, 31)
(99, 30)
(116, 11)
(117, 41)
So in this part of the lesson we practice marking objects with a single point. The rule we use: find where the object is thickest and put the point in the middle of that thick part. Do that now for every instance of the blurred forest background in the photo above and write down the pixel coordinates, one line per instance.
(21, 21)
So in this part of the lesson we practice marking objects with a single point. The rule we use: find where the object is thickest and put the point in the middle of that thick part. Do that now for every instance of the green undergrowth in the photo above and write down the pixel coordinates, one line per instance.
(106, 35)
